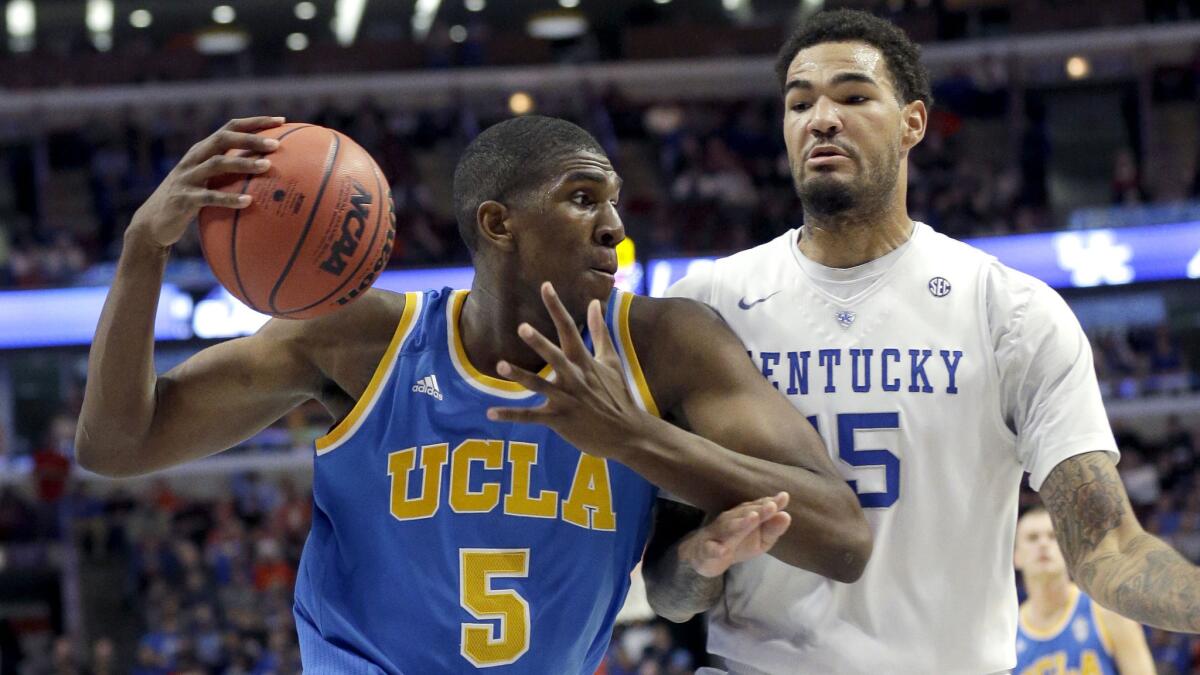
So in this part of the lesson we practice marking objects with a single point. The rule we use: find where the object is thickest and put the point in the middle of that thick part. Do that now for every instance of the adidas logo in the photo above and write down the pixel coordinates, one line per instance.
(428, 385)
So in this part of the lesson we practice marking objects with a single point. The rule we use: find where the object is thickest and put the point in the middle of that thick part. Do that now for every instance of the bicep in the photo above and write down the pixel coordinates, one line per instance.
(1091, 512)
(724, 398)
(226, 393)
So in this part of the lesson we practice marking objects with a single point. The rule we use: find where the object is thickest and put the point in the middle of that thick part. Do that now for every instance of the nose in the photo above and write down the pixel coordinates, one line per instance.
(825, 122)
(609, 231)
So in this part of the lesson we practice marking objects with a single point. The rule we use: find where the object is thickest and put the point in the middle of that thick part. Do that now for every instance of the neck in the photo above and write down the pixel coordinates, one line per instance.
(1048, 597)
(489, 320)
(851, 239)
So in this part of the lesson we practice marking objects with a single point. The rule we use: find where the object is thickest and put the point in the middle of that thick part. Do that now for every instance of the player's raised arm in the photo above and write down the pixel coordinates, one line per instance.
(1110, 556)
(132, 421)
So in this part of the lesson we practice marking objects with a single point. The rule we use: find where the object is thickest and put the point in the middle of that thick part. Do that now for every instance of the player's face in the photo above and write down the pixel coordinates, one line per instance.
(574, 231)
(1037, 553)
(843, 127)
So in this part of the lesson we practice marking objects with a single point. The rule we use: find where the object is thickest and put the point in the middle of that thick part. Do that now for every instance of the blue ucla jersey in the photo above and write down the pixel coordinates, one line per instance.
(1078, 645)
(443, 542)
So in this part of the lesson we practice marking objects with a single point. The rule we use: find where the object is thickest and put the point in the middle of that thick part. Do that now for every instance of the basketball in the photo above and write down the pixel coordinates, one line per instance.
(319, 230)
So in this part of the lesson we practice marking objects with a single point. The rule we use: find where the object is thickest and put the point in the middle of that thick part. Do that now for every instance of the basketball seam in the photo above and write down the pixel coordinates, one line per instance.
(363, 259)
(237, 274)
(329, 164)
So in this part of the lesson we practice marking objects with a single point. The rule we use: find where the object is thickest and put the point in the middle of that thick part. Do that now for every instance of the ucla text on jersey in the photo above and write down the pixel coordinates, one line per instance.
(1077, 645)
(444, 542)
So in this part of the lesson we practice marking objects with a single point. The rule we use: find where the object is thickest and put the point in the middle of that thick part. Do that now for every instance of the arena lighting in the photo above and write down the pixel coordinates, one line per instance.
(99, 16)
(222, 41)
(22, 20)
(569, 4)
(1078, 67)
(562, 24)
(474, 5)
(520, 103)
(305, 10)
(99, 19)
(662, 2)
(458, 33)
(223, 14)
(297, 42)
(347, 14)
(423, 14)
(140, 18)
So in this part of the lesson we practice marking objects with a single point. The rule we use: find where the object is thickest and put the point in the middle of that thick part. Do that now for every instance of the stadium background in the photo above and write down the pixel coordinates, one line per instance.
(1065, 135)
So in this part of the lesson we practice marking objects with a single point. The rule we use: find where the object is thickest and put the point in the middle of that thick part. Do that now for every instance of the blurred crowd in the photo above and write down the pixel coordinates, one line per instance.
(701, 177)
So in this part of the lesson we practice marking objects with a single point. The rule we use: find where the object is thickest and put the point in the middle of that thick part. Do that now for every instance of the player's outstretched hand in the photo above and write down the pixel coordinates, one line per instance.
(588, 403)
(164, 217)
(746, 531)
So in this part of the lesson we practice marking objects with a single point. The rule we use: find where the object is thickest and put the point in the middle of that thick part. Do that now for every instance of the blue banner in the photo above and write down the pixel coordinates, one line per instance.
(1071, 259)
(68, 316)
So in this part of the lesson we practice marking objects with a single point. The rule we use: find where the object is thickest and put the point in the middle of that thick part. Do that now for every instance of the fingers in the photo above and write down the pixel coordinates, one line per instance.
(546, 349)
(742, 519)
(251, 124)
(530, 380)
(773, 528)
(601, 340)
(538, 415)
(235, 134)
(568, 333)
(222, 164)
(229, 200)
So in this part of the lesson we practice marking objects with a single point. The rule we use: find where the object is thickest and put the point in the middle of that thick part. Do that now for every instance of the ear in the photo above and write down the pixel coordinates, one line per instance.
(913, 118)
(492, 221)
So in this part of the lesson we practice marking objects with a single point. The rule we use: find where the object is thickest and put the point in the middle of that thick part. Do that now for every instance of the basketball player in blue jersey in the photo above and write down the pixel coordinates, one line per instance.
(937, 375)
(469, 513)
(1061, 631)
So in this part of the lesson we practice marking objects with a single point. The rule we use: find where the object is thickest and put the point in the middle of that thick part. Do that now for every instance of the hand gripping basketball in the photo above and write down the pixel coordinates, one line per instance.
(746, 531)
(164, 217)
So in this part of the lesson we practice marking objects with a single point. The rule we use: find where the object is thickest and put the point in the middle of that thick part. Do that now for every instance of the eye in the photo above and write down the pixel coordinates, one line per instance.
(582, 198)
(800, 107)
(856, 99)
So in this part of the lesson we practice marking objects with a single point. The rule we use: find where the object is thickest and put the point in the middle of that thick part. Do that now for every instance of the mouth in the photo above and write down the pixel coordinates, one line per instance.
(821, 151)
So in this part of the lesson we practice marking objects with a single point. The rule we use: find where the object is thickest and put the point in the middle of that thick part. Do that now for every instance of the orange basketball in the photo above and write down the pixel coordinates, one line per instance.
(316, 235)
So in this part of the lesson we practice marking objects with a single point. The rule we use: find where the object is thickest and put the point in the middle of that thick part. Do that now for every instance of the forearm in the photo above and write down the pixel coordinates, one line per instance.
(828, 534)
(675, 590)
(119, 398)
(1145, 580)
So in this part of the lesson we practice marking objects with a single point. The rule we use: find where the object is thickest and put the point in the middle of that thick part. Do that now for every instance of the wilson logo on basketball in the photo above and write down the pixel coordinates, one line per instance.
(352, 230)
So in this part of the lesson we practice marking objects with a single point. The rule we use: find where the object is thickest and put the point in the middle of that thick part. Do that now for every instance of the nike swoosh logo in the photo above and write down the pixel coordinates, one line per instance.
(742, 304)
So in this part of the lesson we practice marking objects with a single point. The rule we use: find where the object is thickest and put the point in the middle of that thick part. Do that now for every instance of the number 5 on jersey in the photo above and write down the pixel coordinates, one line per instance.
(484, 644)
(847, 425)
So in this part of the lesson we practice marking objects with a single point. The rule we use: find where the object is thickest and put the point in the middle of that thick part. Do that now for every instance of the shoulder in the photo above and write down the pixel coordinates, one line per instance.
(355, 334)
(706, 279)
(680, 341)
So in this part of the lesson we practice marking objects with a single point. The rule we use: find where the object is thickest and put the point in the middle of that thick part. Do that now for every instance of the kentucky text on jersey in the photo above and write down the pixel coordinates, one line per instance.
(917, 371)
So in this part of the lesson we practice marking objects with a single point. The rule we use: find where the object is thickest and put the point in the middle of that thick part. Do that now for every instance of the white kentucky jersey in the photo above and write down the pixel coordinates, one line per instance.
(935, 375)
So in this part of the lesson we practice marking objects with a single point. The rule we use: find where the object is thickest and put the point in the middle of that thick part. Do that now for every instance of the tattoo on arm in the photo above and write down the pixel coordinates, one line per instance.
(1086, 501)
(674, 589)
(1124, 568)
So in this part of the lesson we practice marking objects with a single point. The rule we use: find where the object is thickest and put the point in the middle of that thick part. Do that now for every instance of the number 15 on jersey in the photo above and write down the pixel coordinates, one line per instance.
(865, 460)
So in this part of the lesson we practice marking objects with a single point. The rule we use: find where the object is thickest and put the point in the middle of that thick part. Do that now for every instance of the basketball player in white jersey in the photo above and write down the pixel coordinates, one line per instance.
(937, 376)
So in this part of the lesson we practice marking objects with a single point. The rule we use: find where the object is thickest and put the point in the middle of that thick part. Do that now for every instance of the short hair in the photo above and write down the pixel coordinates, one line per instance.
(511, 158)
(902, 55)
